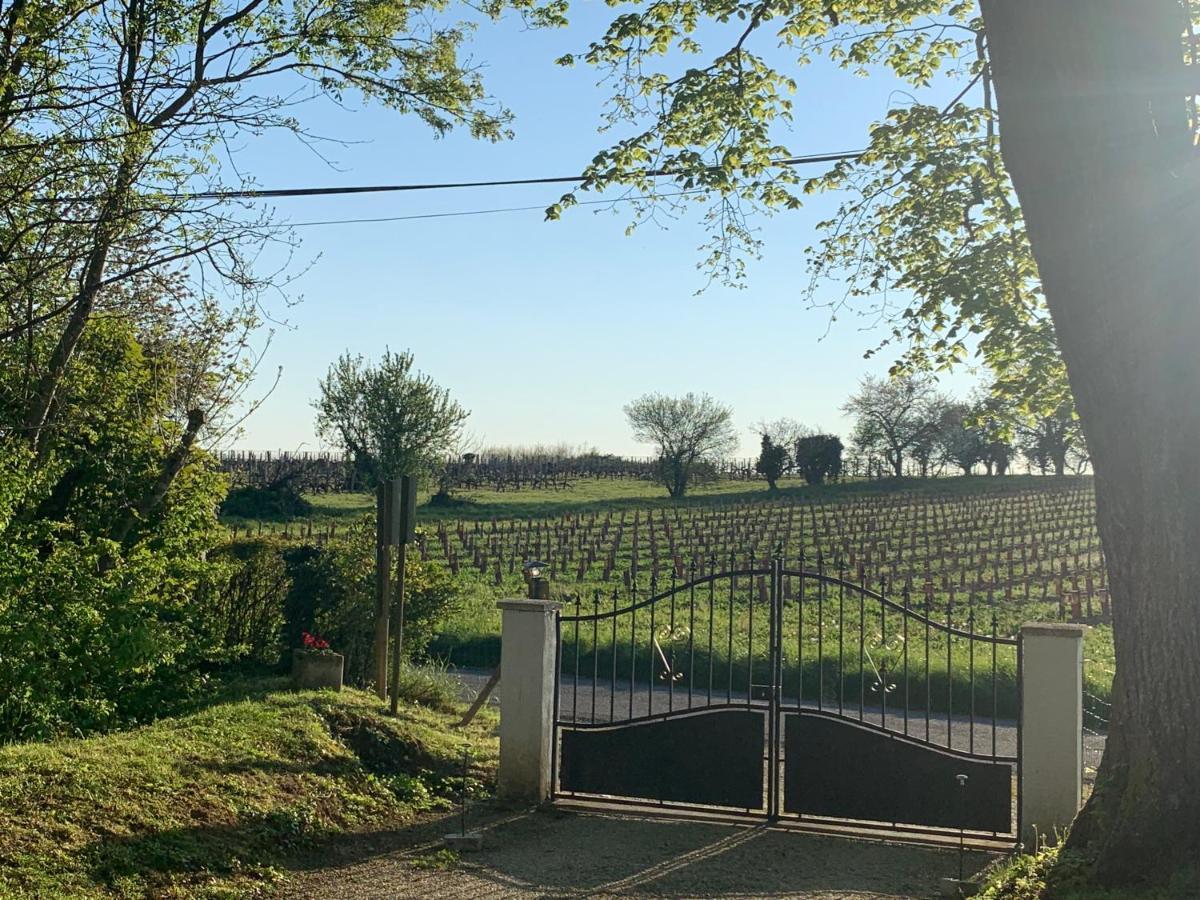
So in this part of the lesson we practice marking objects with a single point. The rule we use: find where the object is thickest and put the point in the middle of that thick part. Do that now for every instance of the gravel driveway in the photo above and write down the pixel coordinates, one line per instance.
(559, 854)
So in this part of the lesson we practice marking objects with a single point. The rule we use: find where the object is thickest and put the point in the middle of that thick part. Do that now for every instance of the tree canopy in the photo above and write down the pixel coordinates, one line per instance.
(392, 420)
(686, 433)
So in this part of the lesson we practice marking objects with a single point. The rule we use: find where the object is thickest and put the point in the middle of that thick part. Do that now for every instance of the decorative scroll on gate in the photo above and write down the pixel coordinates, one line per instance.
(784, 692)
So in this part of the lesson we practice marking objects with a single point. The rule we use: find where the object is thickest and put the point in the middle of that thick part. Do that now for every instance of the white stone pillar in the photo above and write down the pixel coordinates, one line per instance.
(1051, 729)
(528, 635)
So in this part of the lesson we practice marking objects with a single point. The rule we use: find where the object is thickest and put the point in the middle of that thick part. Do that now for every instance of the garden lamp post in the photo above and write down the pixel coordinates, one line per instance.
(539, 585)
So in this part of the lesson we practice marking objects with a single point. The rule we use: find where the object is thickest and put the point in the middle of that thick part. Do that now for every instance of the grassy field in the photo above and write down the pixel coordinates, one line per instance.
(212, 804)
(626, 493)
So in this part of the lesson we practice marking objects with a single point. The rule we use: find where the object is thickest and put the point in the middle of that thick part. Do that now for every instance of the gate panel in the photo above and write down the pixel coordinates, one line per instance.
(793, 693)
(836, 768)
(714, 758)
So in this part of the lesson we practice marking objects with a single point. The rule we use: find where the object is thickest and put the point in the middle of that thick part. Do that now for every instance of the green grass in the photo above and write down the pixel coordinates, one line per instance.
(1053, 873)
(213, 803)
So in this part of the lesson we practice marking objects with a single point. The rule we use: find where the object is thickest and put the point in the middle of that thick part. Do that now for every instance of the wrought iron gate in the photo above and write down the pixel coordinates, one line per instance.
(786, 692)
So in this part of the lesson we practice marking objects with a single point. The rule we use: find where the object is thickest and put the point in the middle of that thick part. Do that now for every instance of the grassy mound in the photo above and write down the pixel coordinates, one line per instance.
(211, 804)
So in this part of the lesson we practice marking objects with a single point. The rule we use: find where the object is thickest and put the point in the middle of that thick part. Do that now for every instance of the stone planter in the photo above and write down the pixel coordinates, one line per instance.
(317, 671)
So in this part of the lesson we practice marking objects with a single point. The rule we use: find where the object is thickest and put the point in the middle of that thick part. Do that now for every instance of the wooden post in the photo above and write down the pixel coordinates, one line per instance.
(404, 523)
(398, 619)
(383, 582)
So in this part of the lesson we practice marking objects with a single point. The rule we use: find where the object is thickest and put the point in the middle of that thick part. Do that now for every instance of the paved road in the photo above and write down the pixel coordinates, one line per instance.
(617, 702)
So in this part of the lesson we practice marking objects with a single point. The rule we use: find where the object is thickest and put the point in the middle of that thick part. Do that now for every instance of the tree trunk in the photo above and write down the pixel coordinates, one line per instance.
(1094, 133)
(171, 468)
(110, 222)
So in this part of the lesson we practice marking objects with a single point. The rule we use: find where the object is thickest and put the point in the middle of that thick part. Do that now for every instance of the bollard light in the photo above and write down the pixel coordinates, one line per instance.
(539, 586)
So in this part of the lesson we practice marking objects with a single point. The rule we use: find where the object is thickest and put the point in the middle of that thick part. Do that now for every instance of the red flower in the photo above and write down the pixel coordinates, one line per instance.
(312, 642)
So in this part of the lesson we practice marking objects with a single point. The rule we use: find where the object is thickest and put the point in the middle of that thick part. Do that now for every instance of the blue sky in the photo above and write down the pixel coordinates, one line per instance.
(545, 330)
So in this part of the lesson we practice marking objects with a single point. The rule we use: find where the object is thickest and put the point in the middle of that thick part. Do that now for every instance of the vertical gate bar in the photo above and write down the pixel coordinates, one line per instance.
(995, 696)
(671, 658)
(595, 648)
(905, 639)
(691, 639)
(712, 584)
(575, 688)
(773, 713)
(862, 646)
(820, 644)
(729, 657)
(971, 668)
(770, 754)
(928, 684)
(653, 642)
(749, 637)
(554, 729)
(800, 641)
(612, 691)
(882, 676)
(949, 670)
(841, 641)
(632, 654)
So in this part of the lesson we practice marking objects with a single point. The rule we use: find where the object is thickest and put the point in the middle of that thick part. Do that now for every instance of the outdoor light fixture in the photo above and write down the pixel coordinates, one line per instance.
(539, 586)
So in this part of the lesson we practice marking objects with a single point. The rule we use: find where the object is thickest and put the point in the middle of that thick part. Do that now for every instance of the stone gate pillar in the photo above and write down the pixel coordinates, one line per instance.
(528, 650)
(1051, 729)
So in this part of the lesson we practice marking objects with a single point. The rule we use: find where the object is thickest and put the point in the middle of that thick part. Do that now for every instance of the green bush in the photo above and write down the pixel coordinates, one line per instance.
(246, 613)
(95, 633)
(333, 594)
(275, 502)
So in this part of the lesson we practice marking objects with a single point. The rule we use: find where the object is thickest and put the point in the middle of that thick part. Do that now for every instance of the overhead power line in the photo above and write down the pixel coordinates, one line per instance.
(478, 212)
(281, 193)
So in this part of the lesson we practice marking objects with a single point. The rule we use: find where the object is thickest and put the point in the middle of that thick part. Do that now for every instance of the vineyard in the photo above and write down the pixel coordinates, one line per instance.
(1031, 553)
(980, 556)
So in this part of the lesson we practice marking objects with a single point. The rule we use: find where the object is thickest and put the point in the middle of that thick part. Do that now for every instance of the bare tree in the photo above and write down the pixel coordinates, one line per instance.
(783, 432)
(896, 417)
(687, 431)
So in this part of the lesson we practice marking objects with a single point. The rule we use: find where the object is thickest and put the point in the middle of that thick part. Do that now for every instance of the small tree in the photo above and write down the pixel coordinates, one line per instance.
(772, 462)
(817, 457)
(392, 420)
(687, 431)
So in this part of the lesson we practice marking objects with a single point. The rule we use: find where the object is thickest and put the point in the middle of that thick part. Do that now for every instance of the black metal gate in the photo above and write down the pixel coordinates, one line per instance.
(786, 692)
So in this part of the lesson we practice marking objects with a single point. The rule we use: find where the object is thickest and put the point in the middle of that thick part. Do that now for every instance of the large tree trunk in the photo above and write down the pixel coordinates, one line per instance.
(1094, 133)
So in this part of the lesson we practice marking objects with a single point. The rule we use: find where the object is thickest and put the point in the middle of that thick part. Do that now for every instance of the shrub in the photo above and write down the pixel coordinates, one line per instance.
(818, 456)
(278, 501)
(772, 462)
(94, 633)
(246, 611)
(333, 593)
